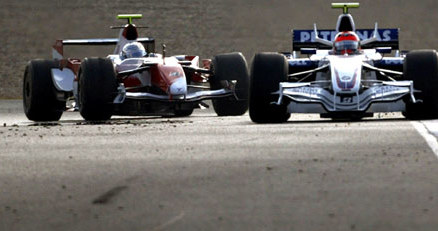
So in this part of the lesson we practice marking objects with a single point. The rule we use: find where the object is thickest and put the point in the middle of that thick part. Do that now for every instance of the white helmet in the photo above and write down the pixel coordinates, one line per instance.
(132, 50)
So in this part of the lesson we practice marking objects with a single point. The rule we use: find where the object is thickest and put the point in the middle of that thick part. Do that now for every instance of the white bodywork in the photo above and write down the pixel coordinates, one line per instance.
(341, 87)
(346, 72)
(179, 87)
(63, 79)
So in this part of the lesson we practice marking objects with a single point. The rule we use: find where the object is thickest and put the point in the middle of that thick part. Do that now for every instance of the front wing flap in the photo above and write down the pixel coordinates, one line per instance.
(310, 93)
(194, 94)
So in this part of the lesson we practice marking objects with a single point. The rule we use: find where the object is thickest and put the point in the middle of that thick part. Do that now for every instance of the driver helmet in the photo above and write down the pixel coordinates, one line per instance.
(346, 42)
(132, 50)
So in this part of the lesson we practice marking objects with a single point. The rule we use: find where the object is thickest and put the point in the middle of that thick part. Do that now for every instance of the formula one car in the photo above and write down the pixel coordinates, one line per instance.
(134, 80)
(344, 76)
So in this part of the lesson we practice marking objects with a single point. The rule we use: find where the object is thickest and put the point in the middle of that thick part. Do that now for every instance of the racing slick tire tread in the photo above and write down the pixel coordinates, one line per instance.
(97, 89)
(267, 71)
(421, 66)
(39, 93)
(231, 66)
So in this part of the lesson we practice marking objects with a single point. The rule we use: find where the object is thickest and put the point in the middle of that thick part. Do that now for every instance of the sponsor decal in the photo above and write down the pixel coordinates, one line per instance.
(391, 62)
(306, 90)
(345, 82)
(301, 63)
(174, 74)
(384, 35)
(387, 89)
(346, 99)
(346, 78)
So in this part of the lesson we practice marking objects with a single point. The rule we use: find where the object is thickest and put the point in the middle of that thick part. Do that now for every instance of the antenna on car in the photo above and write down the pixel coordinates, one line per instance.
(345, 6)
(163, 46)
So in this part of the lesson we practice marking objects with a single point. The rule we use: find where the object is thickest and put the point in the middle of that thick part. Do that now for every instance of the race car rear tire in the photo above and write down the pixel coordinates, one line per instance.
(268, 70)
(97, 89)
(39, 94)
(230, 66)
(421, 67)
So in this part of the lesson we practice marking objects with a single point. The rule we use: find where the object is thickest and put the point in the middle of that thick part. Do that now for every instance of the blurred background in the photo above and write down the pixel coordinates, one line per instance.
(195, 27)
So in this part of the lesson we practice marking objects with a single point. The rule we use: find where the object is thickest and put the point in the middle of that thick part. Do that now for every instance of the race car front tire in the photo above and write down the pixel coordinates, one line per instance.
(97, 89)
(421, 66)
(183, 112)
(230, 66)
(268, 70)
(39, 94)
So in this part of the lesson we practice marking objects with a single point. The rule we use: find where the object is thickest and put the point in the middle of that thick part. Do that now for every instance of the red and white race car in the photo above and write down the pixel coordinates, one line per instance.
(134, 80)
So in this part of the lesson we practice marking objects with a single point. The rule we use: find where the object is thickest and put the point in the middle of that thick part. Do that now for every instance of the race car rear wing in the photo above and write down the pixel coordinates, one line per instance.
(58, 47)
(305, 38)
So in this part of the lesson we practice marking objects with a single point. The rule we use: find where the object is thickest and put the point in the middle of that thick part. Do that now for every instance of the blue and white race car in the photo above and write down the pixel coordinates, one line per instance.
(345, 75)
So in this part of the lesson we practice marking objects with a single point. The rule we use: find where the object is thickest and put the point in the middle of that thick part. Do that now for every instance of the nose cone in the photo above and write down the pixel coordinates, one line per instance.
(346, 73)
(179, 87)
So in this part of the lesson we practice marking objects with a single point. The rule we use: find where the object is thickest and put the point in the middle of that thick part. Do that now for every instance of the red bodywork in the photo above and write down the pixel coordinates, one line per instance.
(72, 64)
(163, 76)
(131, 81)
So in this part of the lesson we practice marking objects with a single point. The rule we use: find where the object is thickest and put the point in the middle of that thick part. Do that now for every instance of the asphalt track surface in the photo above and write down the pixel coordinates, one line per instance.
(205, 172)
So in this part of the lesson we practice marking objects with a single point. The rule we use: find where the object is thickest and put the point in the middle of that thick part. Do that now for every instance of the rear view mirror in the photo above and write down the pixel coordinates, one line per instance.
(384, 50)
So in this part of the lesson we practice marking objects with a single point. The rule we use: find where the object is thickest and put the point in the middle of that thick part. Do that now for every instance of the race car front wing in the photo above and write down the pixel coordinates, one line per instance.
(310, 97)
(194, 94)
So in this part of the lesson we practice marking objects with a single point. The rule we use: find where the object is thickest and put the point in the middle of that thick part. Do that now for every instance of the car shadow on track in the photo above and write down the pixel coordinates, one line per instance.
(329, 121)
(325, 121)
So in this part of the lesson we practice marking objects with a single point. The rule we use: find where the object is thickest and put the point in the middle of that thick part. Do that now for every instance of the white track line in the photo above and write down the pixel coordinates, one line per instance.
(169, 222)
(426, 134)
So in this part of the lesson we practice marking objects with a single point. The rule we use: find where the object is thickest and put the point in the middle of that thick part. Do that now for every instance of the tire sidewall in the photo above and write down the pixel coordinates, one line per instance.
(97, 88)
(421, 67)
(267, 71)
(40, 102)
(231, 66)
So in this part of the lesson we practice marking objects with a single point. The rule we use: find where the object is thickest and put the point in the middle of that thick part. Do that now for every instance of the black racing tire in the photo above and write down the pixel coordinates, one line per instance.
(183, 112)
(421, 66)
(268, 70)
(231, 66)
(97, 89)
(39, 93)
